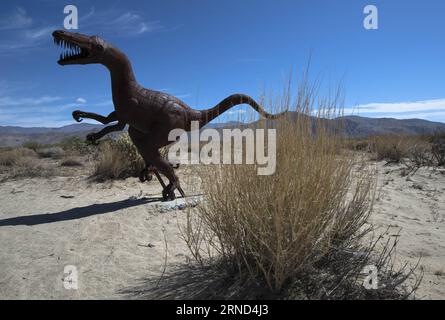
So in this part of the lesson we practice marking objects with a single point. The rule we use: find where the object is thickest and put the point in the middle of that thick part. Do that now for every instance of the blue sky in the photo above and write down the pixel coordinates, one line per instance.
(203, 51)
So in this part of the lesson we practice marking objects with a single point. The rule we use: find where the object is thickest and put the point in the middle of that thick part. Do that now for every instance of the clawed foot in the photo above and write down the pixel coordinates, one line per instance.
(77, 115)
(168, 194)
(175, 165)
(145, 175)
(92, 138)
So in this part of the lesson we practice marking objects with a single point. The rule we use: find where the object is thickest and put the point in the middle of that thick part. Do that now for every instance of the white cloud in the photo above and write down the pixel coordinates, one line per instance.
(19, 33)
(117, 23)
(81, 100)
(433, 110)
(398, 107)
(241, 111)
(26, 40)
(11, 101)
(45, 111)
(38, 33)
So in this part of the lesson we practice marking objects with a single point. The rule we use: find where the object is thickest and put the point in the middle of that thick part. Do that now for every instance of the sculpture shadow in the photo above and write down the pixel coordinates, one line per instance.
(75, 213)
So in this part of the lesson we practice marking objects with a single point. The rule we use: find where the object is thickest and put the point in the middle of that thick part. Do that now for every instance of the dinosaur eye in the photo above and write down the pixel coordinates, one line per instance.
(99, 42)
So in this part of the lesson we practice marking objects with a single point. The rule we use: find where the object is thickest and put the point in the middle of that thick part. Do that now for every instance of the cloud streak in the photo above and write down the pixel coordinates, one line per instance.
(433, 110)
(117, 23)
(44, 111)
(18, 31)
(398, 107)
(20, 34)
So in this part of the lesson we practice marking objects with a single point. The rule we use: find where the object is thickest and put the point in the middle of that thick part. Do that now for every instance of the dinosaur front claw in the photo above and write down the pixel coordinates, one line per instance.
(77, 115)
(145, 175)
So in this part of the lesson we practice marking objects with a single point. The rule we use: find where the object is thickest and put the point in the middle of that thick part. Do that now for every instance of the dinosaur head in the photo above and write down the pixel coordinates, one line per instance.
(79, 48)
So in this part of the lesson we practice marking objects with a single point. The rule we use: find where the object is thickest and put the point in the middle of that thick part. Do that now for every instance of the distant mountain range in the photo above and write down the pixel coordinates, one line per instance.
(16, 136)
(354, 126)
(362, 127)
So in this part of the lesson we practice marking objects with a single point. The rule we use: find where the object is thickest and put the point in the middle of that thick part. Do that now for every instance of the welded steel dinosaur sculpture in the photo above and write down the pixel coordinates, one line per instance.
(150, 114)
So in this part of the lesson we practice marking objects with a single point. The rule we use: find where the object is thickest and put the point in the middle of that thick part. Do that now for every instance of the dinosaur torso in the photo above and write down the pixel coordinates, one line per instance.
(149, 112)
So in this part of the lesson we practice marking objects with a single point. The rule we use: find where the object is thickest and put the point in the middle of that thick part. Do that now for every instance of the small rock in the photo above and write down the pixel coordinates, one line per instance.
(417, 186)
(149, 245)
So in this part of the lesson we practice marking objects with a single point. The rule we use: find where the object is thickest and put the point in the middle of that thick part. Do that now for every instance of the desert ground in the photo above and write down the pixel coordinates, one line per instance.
(119, 235)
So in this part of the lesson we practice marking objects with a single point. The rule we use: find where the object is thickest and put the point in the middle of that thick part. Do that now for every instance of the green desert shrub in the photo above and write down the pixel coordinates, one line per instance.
(76, 146)
(51, 152)
(33, 145)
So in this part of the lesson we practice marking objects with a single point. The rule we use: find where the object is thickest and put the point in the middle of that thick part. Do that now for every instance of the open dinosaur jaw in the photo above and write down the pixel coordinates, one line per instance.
(74, 52)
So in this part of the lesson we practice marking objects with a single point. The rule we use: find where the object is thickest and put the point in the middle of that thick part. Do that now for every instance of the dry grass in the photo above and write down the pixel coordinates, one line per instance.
(279, 228)
(118, 160)
(414, 151)
(22, 163)
(276, 225)
(438, 148)
(13, 157)
(74, 146)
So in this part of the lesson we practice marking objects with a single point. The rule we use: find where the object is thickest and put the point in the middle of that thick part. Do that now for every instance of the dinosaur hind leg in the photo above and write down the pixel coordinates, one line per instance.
(153, 158)
(164, 167)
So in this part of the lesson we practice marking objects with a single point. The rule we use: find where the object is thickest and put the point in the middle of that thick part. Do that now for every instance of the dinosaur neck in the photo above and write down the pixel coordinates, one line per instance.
(122, 76)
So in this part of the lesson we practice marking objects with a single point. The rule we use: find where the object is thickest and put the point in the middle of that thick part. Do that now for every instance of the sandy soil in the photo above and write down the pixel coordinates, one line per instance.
(414, 207)
(114, 233)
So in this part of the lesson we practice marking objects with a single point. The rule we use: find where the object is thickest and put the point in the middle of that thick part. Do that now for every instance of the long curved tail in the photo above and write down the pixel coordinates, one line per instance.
(231, 101)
